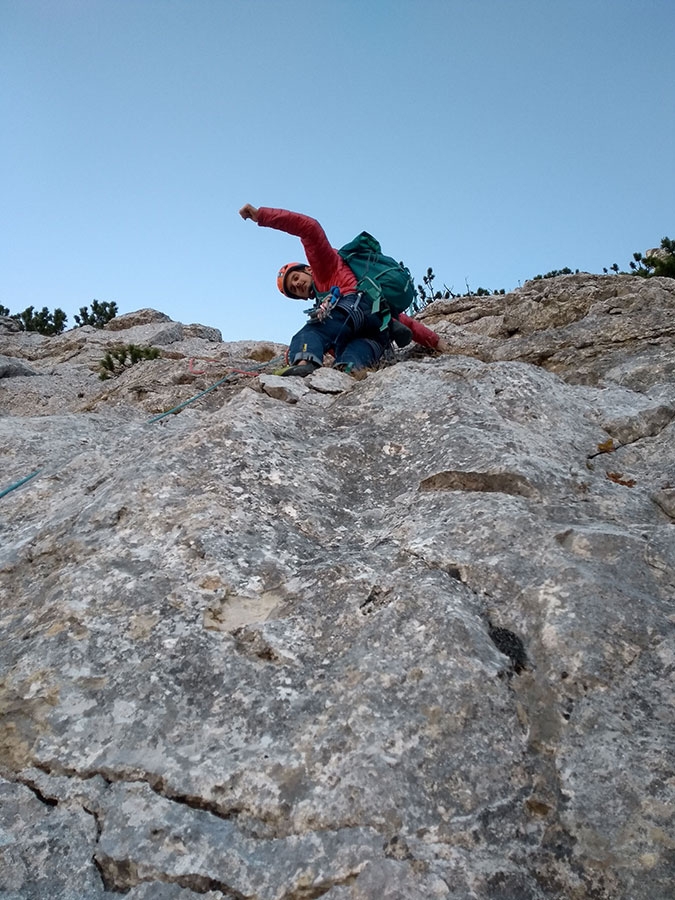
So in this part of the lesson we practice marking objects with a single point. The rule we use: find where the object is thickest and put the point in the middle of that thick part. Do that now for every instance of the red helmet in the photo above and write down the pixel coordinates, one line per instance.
(283, 272)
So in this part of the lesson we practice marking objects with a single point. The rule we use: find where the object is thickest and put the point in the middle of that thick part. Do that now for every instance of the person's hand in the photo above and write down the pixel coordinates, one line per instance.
(443, 346)
(249, 212)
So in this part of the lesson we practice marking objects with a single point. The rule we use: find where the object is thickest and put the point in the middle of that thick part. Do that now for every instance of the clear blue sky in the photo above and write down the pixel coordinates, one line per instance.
(490, 139)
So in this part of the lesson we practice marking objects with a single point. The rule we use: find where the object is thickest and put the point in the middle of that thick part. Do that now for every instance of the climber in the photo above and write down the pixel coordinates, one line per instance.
(343, 325)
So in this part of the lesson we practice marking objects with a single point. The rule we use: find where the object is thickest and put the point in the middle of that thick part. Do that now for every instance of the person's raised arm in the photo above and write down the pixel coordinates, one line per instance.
(248, 211)
(321, 256)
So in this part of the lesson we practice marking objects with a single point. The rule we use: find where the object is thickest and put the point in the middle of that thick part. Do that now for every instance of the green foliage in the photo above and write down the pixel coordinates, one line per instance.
(661, 265)
(482, 292)
(120, 358)
(44, 321)
(101, 313)
(665, 264)
(555, 272)
(426, 293)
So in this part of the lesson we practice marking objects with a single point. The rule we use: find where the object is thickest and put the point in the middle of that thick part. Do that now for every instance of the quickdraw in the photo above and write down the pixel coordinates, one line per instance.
(321, 312)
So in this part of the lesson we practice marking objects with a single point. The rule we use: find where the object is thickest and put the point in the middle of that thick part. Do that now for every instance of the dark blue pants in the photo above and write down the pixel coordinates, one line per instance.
(353, 337)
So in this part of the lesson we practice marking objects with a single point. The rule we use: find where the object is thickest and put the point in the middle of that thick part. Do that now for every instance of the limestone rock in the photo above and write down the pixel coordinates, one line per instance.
(330, 381)
(413, 639)
(191, 358)
(10, 367)
(657, 253)
(586, 328)
(134, 319)
(290, 390)
(45, 851)
(8, 325)
(665, 499)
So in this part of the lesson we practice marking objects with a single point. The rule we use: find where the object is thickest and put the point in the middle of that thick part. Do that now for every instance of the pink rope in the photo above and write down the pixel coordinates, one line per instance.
(194, 371)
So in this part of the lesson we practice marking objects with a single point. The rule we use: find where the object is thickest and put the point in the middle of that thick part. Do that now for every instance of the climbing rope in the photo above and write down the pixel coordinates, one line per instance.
(253, 370)
(17, 484)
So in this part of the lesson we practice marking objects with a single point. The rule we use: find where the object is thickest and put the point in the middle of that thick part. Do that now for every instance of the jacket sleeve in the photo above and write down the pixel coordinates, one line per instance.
(323, 259)
(421, 334)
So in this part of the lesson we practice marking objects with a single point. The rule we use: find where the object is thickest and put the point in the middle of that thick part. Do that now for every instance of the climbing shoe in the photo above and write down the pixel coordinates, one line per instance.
(302, 370)
(399, 333)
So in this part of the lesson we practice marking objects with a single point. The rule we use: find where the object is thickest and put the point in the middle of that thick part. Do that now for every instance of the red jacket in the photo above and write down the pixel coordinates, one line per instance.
(328, 267)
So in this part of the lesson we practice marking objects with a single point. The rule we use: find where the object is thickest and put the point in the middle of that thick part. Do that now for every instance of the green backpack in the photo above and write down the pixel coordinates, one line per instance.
(388, 284)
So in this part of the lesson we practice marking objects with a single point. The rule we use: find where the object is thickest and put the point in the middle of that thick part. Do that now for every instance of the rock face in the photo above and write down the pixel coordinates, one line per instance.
(587, 328)
(403, 637)
(192, 357)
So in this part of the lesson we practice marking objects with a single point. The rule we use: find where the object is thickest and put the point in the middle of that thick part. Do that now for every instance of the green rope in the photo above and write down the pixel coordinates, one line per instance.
(17, 484)
(176, 409)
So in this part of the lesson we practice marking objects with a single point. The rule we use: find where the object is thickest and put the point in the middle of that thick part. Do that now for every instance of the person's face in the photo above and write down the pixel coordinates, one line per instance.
(299, 282)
